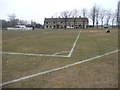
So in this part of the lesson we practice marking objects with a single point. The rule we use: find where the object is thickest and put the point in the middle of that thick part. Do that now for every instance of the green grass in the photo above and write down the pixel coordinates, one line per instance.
(46, 42)
(91, 43)
(101, 73)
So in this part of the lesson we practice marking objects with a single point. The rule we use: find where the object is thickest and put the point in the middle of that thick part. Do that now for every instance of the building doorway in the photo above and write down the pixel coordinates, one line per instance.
(57, 26)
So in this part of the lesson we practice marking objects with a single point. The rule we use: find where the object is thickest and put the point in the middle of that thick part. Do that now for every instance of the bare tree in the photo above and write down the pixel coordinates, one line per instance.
(13, 20)
(93, 14)
(65, 14)
(74, 13)
(113, 17)
(22, 22)
(102, 15)
(108, 17)
(84, 12)
(12, 17)
(97, 16)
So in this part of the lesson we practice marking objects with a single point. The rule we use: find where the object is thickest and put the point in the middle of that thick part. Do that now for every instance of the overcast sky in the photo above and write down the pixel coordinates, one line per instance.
(37, 10)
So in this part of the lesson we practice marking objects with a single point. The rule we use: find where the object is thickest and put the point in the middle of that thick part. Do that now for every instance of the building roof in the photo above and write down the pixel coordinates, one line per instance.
(63, 19)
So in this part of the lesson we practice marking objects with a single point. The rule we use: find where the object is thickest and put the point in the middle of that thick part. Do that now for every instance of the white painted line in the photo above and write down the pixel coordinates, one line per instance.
(56, 69)
(62, 52)
(53, 55)
(73, 47)
(31, 54)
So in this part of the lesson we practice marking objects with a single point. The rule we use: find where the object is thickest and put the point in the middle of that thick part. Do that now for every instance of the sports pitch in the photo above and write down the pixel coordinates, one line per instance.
(52, 58)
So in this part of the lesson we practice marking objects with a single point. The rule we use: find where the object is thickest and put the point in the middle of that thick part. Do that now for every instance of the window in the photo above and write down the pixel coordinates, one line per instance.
(50, 26)
(47, 26)
(46, 22)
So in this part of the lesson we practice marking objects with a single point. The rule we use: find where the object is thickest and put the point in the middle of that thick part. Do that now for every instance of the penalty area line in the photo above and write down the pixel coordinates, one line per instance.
(56, 69)
(74, 44)
(31, 54)
(52, 55)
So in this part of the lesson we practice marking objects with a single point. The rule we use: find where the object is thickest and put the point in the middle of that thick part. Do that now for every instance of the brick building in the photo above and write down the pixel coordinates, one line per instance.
(60, 23)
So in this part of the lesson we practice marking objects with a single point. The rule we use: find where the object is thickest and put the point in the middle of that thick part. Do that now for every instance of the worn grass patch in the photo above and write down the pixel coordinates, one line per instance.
(91, 43)
(43, 42)
(101, 73)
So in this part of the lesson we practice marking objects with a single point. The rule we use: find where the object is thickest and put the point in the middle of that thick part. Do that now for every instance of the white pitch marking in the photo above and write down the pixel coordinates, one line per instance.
(30, 54)
(56, 69)
(73, 47)
(61, 52)
(54, 55)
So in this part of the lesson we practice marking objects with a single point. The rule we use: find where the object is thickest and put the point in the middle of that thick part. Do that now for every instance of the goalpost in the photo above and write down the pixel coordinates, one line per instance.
(118, 15)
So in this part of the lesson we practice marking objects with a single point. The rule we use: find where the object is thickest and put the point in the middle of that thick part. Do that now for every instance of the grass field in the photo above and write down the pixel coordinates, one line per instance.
(101, 72)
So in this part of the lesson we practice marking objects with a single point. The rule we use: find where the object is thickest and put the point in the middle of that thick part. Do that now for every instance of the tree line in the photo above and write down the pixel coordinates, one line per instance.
(99, 17)
(13, 21)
